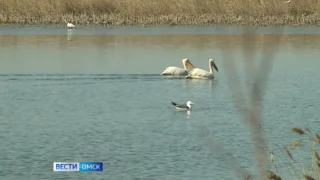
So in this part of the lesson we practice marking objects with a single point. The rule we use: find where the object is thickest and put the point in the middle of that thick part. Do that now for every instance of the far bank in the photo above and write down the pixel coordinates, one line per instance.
(153, 13)
(118, 20)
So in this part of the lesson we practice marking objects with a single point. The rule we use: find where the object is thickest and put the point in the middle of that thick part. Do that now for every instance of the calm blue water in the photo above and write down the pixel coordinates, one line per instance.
(96, 96)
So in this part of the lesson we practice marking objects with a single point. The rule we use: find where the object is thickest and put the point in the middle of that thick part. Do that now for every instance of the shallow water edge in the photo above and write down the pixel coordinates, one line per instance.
(15, 29)
(154, 25)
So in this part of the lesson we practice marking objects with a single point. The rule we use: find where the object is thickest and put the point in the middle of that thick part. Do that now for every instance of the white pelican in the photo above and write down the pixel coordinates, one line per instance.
(70, 26)
(197, 73)
(177, 71)
(182, 106)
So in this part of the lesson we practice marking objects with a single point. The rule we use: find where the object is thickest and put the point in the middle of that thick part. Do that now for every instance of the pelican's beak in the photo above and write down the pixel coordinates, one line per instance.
(191, 102)
(190, 65)
(215, 66)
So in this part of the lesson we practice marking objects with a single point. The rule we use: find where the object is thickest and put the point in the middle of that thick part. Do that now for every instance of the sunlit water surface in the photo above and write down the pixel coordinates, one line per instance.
(96, 95)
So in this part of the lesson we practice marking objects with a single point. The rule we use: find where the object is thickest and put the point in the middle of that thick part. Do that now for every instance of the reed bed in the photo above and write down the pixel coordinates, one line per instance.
(164, 12)
(307, 142)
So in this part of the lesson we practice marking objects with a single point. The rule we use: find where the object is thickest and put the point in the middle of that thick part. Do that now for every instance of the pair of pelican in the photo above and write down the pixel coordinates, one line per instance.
(195, 73)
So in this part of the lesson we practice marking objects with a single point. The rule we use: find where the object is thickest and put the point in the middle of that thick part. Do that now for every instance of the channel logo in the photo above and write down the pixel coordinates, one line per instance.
(78, 166)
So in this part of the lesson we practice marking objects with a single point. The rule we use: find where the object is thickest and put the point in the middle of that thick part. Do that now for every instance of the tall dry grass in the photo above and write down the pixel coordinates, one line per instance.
(151, 12)
(297, 166)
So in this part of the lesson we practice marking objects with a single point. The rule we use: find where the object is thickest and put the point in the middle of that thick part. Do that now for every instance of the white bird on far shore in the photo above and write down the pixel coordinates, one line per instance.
(70, 26)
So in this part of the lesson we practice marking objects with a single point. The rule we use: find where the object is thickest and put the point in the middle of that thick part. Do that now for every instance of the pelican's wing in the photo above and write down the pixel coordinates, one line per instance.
(171, 70)
(198, 73)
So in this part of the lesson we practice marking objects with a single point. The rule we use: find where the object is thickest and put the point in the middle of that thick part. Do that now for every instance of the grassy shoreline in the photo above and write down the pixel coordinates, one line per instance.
(114, 21)
(154, 13)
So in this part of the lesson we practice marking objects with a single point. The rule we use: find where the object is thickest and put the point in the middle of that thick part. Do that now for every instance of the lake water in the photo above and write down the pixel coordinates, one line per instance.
(95, 94)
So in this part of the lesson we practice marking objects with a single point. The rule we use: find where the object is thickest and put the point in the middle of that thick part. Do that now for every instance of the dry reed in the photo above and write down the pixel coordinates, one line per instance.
(273, 176)
(317, 138)
(318, 169)
(295, 143)
(150, 12)
(297, 130)
(308, 177)
(252, 110)
(289, 154)
(252, 114)
(316, 155)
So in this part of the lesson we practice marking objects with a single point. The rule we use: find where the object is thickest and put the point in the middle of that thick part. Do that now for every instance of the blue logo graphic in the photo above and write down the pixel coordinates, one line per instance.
(91, 166)
(78, 166)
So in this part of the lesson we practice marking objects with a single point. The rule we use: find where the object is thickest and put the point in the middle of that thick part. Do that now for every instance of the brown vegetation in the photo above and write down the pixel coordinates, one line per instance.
(165, 12)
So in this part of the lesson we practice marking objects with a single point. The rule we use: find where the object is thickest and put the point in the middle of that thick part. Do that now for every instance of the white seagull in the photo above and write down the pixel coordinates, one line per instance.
(183, 107)
(198, 73)
(70, 26)
(177, 71)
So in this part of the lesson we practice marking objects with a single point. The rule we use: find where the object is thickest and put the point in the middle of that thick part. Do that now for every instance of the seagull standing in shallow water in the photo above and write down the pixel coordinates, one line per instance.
(183, 107)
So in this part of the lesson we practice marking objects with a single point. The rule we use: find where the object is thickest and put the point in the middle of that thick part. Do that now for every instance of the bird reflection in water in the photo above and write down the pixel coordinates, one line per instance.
(211, 86)
(70, 31)
(188, 114)
(189, 121)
